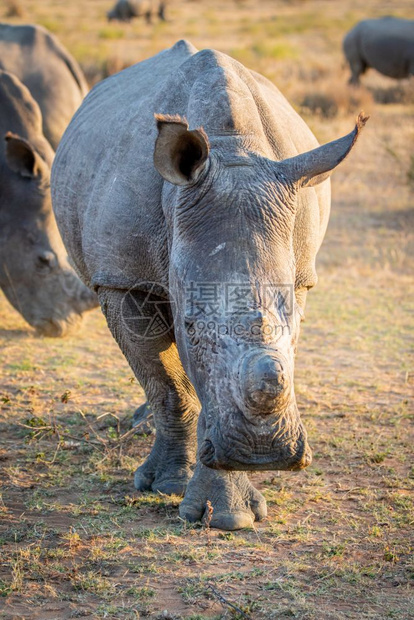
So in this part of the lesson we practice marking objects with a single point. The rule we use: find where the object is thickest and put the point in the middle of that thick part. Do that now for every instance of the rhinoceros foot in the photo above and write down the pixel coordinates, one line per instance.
(167, 469)
(235, 502)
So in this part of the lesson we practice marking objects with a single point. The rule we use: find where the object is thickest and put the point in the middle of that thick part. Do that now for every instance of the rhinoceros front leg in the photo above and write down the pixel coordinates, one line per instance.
(140, 325)
(235, 501)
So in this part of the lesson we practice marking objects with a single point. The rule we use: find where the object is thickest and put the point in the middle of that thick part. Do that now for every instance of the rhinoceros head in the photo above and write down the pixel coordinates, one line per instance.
(35, 275)
(240, 267)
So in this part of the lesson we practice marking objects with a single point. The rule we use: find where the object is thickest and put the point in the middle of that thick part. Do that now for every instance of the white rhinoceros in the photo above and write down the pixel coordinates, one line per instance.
(385, 44)
(125, 10)
(35, 274)
(53, 77)
(199, 231)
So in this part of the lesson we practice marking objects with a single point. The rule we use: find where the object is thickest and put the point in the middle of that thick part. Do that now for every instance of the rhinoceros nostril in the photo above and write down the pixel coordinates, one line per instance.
(302, 458)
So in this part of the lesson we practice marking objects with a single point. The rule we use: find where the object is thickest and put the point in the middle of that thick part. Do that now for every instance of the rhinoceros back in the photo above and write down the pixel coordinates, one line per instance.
(388, 46)
(106, 191)
(103, 173)
(44, 66)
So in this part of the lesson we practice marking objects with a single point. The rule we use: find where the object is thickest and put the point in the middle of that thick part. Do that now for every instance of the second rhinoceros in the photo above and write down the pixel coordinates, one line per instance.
(46, 68)
(125, 10)
(199, 231)
(35, 274)
(385, 44)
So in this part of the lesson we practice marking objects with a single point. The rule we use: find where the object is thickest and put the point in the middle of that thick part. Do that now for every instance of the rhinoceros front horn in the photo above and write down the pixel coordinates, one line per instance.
(315, 166)
(180, 155)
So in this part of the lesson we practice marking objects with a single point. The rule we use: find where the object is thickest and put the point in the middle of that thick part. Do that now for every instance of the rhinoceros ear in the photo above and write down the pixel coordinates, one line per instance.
(315, 166)
(180, 155)
(22, 158)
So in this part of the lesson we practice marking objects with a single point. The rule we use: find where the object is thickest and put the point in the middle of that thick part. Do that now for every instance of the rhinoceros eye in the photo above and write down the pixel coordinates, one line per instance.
(46, 260)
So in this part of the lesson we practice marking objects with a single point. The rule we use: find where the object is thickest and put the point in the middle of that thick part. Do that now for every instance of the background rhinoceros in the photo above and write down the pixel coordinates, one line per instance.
(53, 77)
(385, 44)
(34, 271)
(125, 10)
(201, 245)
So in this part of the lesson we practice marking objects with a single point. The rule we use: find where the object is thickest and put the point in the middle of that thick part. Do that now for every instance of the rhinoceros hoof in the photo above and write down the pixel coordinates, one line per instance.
(165, 470)
(235, 502)
(170, 485)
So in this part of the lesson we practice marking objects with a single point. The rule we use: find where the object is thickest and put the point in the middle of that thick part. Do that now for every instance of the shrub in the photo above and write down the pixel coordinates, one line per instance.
(410, 172)
(400, 93)
(97, 71)
(14, 9)
(321, 104)
(333, 96)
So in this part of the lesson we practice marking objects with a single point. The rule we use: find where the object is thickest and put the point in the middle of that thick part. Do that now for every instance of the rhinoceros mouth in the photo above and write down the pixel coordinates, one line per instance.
(275, 462)
(237, 455)
(56, 328)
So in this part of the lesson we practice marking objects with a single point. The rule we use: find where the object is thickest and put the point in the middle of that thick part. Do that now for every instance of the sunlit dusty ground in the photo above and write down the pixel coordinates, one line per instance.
(75, 539)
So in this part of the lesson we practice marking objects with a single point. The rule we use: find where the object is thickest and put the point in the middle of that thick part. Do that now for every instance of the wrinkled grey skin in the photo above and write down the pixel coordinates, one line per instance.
(385, 44)
(125, 10)
(35, 274)
(53, 77)
(140, 202)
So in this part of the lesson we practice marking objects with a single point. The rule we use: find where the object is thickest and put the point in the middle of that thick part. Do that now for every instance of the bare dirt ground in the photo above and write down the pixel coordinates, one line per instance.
(76, 540)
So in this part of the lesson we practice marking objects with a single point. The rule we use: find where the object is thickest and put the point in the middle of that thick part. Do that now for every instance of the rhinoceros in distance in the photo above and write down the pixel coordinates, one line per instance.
(53, 77)
(199, 233)
(125, 10)
(35, 274)
(385, 44)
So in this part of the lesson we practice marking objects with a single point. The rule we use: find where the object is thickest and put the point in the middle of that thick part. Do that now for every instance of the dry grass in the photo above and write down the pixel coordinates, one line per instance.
(76, 540)
(289, 42)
